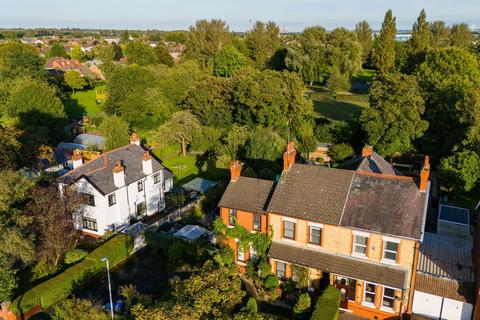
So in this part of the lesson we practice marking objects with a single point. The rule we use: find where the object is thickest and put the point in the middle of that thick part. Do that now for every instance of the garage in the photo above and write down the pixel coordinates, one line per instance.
(429, 305)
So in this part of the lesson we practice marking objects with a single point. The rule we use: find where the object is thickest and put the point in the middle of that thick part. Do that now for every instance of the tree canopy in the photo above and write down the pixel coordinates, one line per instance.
(18, 59)
(384, 44)
(206, 38)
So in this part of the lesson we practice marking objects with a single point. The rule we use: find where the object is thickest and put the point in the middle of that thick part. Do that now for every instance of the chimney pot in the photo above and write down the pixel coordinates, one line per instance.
(77, 159)
(235, 170)
(424, 174)
(367, 151)
(134, 139)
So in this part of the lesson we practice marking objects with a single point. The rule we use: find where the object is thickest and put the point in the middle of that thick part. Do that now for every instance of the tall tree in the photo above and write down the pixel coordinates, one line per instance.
(74, 80)
(445, 79)
(9, 146)
(180, 128)
(421, 34)
(20, 60)
(140, 53)
(393, 120)
(163, 56)
(309, 56)
(461, 36)
(461, 171)
(108, 52)
(439, 34)
(384, 44)
(76, 53)
(115, 131)
(227, 61)
(206, 38)
(57, 50)
(125, 38)
(365, 38)
(263, 40)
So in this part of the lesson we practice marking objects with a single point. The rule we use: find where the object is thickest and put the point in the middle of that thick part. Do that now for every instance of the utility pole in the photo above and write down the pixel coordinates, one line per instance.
(105, 259)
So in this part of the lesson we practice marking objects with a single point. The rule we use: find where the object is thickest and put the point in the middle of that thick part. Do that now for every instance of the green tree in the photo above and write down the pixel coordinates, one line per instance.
(76, 53)
(421, 34)
(57, 50)
(163, 56)
(9, 146)
(460, 171)
(108, 52)
(461, 36)
(78, 309)
(74, 80)
(140, 53)
(309, 56)
(393, 120)
(302, 306)
(227, 61)
(263, 40)
(340, 152)
(115, 131)
(125, 38)
(180, 128)
(384, 44)
(439, 35)
(19, 60)
(236, 139)
(206, 38)
(265, 144)
(445, 79)
(365, 38)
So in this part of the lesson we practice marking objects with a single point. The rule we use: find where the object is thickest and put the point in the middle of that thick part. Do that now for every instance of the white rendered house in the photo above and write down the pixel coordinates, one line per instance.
(119, 187)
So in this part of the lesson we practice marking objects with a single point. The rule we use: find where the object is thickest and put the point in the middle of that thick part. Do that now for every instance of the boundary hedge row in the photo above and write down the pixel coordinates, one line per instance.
(59, 287)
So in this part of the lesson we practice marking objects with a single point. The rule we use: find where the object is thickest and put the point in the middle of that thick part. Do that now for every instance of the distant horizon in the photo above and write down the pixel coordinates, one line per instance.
(167, 16)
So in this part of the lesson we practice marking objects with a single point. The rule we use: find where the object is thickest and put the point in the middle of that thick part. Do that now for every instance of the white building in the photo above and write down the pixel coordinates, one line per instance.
(120, 187)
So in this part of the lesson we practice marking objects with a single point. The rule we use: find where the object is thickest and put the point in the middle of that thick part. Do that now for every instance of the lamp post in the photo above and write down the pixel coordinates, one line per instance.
(105, 259)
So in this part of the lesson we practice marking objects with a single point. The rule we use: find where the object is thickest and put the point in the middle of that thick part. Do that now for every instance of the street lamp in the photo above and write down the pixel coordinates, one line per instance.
(105, 259)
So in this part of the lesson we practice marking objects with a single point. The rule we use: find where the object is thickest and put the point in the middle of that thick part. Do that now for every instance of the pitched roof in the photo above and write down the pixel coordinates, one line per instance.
(99, 171)
(340, 264)
(311, 192)
(443, 287)
(385, 204)
(249, 194)
(374, 164)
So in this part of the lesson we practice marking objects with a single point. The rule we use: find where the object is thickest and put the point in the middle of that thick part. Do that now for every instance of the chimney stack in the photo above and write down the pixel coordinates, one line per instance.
(147, 163)
(425, 174)
(119, 174)
(367, 151)
(77, 159)
(235, 170)
(134, 139)
(289, 156)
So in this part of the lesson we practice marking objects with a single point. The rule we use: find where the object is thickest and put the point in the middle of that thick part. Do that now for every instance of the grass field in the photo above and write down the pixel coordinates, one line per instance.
(82, 102)
(364, 75)
(338, 110)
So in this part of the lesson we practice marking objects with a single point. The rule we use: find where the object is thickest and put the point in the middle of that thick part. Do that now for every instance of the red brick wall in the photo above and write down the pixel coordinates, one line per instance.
(244, 218)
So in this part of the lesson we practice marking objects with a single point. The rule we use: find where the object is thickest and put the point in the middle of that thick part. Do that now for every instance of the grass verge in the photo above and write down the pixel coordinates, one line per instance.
(327, 305)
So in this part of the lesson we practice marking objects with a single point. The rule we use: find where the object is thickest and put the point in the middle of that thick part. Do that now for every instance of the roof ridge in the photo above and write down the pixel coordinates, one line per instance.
(384, 175)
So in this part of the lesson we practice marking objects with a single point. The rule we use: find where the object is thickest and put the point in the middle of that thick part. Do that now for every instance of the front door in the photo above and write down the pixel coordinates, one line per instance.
(347, 290)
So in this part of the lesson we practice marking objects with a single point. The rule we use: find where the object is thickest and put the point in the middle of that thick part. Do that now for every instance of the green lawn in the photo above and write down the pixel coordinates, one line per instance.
(82, 102)
(338, 110)
(364, 76)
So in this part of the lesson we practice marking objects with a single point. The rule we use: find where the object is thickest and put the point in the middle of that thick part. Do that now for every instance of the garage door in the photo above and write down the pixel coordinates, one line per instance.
(437, 307)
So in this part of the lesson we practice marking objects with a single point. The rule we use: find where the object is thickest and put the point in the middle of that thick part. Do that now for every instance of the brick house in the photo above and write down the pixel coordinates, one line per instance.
(358, 228)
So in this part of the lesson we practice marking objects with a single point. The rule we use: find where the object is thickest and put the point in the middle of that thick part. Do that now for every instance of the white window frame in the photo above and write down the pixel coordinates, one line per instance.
(382, 307)
(294, 230)
(312, 227)
(284, 270)
(253, 252)
(114, 197)
(354, 252)
(240, 253)
(384, 249)
(364, 302)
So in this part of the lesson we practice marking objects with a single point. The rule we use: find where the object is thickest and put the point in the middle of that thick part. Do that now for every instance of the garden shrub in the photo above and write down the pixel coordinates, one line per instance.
(252, 305)
(327, 305)
(271, 282)
(74, 256)
(264, 268)
(59, 287)
(302, 307)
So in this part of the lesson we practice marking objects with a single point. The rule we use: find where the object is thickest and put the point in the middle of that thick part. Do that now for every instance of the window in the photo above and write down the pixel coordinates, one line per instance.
(388, 298)
(289, 230)
(315, 235)
(257, 222)
(281, 267)
(140, 186)
(88, 199)
(156, 178)
(390, 251)
(89, 223)
(240, 254)
(253, 253)
(232, 216)
(369, 294)
(111, 199)
(360, 244)
(141, 209)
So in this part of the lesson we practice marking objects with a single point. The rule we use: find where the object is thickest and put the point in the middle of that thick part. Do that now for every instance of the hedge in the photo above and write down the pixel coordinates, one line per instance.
(327, 305)
(59, 287)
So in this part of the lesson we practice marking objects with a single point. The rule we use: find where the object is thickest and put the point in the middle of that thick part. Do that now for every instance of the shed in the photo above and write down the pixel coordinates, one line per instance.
(190, 232)
(199, 185)
(454, 222)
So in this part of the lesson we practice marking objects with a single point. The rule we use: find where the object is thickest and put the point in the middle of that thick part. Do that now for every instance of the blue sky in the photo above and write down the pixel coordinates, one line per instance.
(178, 14)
